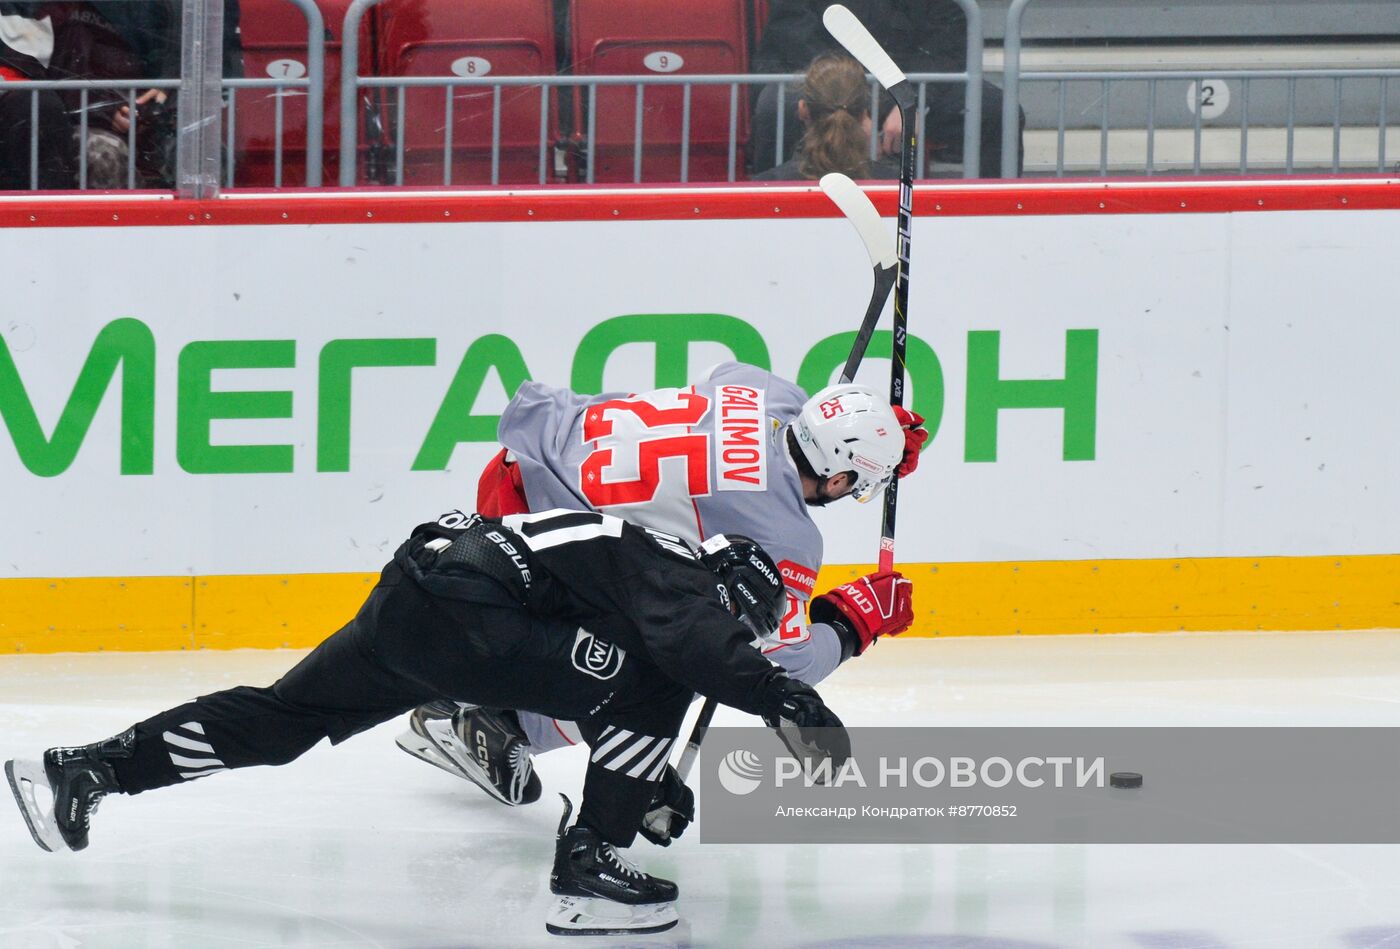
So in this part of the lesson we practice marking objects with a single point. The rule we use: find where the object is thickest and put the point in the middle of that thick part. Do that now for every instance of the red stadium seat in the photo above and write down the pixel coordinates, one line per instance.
(274, 44)
(476, 38)
(642, 37)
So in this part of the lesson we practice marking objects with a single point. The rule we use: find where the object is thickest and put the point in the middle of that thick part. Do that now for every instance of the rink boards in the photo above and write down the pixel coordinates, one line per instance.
(1157, 406)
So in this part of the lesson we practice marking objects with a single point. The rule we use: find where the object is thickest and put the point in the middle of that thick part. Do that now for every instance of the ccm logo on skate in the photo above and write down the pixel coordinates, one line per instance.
(596, 657)
(740, 772)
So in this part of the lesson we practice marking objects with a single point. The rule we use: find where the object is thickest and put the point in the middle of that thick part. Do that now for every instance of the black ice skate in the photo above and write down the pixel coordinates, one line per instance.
(485, 746)
(498, 755)
(430, 730)
(59, 796)
(599, 892)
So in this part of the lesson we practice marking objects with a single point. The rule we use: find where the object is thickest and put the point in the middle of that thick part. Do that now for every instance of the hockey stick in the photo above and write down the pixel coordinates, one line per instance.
(850, 33)
(854, 204)
(852, 201)
(697, 735)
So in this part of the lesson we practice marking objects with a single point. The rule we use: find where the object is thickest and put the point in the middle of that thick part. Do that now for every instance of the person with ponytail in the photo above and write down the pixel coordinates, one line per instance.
(834, 108)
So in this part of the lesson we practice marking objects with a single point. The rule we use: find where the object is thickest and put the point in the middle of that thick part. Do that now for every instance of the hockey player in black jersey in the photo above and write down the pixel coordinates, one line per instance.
(572, 614)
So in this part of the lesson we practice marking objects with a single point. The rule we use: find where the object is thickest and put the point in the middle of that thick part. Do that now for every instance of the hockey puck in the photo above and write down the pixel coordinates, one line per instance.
(1125, 779)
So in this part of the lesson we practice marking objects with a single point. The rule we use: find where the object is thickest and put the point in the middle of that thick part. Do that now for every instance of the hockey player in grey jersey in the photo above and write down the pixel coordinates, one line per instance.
(741, 451)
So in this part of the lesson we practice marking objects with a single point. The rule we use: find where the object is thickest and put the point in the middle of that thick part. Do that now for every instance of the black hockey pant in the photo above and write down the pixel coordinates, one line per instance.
(407, 647)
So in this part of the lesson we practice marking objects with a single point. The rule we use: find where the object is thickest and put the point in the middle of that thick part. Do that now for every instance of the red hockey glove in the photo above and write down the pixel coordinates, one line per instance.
(914, 437)
(880, 604)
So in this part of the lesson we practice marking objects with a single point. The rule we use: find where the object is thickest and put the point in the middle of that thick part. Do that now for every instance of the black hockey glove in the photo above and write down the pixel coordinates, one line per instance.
(810, 730)
(671, 811)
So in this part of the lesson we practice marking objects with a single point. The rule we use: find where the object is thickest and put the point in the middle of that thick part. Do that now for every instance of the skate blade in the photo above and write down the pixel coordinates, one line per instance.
(30, 786)
(424, 750)
(440, 753)
(591, 916)
(441, 747)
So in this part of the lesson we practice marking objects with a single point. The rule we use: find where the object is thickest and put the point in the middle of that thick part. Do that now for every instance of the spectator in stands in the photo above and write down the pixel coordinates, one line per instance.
(119, 39)
(920, 35)
(108, 39)
(26, 44)
(834, 108)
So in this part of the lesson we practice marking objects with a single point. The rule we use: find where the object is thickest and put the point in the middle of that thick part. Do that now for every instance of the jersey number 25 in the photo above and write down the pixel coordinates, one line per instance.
(654, 432)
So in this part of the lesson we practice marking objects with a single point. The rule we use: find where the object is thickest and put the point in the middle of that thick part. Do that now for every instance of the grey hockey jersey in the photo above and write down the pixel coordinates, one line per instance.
(707, 459)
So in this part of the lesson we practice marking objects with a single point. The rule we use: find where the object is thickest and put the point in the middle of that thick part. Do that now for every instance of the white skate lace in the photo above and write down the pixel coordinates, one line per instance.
(92, 808)
(521, 768)
(624, 866)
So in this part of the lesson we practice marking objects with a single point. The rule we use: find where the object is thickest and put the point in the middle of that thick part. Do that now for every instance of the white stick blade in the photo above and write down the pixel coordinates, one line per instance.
(852, 34)
(853, 202)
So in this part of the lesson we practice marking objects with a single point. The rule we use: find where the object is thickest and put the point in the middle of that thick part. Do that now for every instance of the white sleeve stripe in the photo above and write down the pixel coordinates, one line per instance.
(660, 766)
(172, 738)
(191, 775)
(612, 743)
(184, 762)
(606, 526)
(568, 535)
(195, 727)
(628, 753)
(661, 748)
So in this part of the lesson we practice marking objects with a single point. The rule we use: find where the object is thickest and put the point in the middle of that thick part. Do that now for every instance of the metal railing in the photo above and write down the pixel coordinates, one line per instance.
(588, 143)
(314, 82)
(1149, 123)
(236, 92)
(1200, 79)
(1103, 91)
(85, 88)
(351, 83)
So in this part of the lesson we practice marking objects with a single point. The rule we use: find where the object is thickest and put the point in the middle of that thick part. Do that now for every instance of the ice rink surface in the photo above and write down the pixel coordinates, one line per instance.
(362, 846)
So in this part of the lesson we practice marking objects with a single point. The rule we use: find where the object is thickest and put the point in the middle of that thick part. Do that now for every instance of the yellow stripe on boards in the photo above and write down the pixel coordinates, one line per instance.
(288, 612)
(1149, 596)
(88, 614)
(959, 599)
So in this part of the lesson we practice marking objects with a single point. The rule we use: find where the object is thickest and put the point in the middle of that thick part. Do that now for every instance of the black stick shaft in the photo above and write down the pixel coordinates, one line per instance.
(884, 281)
(697, 735)
(904, 97)
(909, 118)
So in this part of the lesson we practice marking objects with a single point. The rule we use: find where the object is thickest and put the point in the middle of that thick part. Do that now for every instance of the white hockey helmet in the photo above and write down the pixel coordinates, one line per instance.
(850, 427)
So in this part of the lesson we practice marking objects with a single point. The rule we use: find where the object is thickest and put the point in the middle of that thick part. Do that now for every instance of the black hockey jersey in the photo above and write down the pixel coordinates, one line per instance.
(641, 590)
